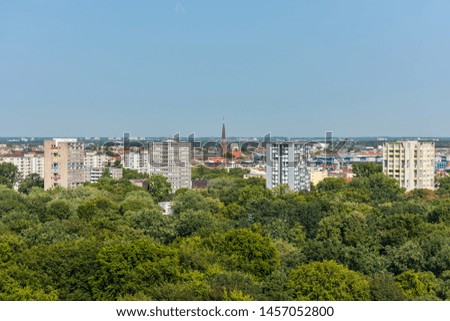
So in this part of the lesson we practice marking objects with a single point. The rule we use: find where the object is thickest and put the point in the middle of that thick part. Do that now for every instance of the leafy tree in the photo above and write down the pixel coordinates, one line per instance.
(396, 229)
(275, 287)
(117, 188)
(203, 172)
(408, 256)
(190, 199)
(366, 169)
(436, 250)
(441, 212)
(19, 284)
(327, 281)
(19, 220)
(422, 194)
(65, 266)
(138, 201)
(195, 222)
(331, 184)
(9, 174)
(384, 288)
(418, 285)
(233, 286)
(444, 289)
(225, 189)
(192, 286)
(32, 180)
(133, 267)
(245, 251)
(105, 173)
(59, 209)
(10, 245)
(444, 186)
(10, 201)
(194, 255)
(98, 206)
(160, 228)
(160, 188)
(384, 189)
(290, 255)
(128, 173)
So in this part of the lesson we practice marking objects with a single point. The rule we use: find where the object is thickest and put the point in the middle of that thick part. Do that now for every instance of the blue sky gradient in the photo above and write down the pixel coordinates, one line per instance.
(295, 68)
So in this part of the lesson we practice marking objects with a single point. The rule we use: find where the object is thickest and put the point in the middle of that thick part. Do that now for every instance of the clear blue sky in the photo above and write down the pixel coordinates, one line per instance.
(295, 68)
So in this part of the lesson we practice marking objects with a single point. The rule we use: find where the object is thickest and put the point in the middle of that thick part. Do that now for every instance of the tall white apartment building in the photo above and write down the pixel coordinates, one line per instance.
(136, 159)
(26, 164)
(64, 163)
(411, 163)
(287, 163)
(171, 159)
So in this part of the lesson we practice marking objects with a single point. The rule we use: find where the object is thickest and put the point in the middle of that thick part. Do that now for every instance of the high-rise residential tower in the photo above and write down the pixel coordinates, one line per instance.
(411, 163)
(287, 163)
(172, 159)
(64, 163)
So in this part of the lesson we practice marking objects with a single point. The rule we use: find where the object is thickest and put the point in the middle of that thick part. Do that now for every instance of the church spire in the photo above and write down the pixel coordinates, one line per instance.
(224, 139)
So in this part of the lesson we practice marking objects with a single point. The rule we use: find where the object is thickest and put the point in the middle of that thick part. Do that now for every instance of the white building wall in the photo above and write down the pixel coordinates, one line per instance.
(411, 163)
(286, 163)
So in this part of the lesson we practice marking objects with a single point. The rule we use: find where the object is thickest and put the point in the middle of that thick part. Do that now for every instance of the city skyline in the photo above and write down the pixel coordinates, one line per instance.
(296, 69)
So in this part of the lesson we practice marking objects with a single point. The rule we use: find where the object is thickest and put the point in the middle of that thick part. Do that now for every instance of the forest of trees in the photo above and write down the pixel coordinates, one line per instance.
(361, 240)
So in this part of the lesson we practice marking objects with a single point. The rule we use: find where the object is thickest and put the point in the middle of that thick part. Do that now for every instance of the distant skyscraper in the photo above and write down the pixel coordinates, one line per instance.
(64, 163)
(286, 163)
(411, 163)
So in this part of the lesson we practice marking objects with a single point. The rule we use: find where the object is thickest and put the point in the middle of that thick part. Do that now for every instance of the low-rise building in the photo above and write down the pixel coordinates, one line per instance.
(318, 174)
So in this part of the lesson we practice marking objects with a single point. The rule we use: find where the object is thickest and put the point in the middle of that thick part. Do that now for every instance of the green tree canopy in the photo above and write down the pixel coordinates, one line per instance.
(9, 174)
(32, 180)
(328, 281)
(160, 188)
(366, 169)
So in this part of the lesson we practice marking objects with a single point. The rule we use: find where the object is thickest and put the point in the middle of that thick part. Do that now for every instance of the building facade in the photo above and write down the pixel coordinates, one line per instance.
(317, 175)
(64, 163)
(411, 163)
(136, 159)
(93, 175)
(26, 164)
(97, 160)
(287, 163)
(171, 159)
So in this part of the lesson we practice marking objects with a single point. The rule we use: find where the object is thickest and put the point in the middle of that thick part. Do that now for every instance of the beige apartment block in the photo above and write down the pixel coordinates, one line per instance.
(318, 175)
(64, 163)
(411, 163)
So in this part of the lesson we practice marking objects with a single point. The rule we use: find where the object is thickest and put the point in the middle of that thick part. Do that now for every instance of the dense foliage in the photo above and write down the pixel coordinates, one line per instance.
(362, 240)
(202, 171)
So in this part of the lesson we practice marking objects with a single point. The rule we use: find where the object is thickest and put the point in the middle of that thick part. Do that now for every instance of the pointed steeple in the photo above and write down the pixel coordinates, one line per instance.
(224, 137)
